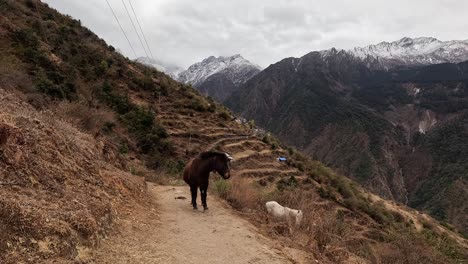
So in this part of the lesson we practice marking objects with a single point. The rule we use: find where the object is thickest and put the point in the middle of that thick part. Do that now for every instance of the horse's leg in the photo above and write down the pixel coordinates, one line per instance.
(193, 190)
(203, 190)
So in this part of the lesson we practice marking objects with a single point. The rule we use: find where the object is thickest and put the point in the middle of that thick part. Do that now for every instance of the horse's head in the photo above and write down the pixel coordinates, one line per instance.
(223, 165)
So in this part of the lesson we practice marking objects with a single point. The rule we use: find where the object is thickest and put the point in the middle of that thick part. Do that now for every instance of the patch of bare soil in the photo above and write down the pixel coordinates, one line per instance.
(178, 234)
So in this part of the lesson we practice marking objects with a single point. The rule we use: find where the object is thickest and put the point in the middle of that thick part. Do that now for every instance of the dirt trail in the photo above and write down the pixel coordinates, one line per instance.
(174, 233)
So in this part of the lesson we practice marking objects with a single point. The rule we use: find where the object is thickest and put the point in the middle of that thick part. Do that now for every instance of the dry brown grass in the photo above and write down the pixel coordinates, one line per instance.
(333, 233)
(88, 119)
(58, 191)
(243, 195)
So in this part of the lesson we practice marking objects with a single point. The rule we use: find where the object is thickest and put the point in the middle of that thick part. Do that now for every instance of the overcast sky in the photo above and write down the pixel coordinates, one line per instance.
(265, 31)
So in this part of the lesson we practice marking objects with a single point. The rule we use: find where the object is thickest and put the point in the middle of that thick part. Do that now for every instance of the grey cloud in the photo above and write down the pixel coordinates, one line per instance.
(265, 31)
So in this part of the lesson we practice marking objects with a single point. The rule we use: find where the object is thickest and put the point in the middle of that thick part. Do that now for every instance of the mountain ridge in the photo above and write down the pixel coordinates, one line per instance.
(236, 66)
(414, 52)
(218, 77)
(324, 101)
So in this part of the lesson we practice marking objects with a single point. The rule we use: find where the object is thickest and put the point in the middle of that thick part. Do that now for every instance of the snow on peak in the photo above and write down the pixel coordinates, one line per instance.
(415, 51)
(237, 69)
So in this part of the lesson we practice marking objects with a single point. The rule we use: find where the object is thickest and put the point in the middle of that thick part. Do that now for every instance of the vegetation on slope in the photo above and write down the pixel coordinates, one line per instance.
(81, 118)
(77, 120)
(365, 122)
(340, 219)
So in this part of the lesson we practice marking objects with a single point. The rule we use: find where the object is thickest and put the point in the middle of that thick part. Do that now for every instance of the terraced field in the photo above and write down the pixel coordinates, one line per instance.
(194, 132)
(257, 162)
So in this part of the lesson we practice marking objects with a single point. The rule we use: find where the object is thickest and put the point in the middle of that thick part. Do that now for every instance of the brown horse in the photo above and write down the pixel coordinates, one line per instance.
(197, 172)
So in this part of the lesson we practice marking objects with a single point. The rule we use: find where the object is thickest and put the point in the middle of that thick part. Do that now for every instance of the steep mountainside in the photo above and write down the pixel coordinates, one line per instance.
(386, 129)
(219, 77)
(82, 127)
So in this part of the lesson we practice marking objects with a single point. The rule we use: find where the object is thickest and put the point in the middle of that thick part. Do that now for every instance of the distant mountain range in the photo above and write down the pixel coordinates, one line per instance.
(217, 77)
(236, 68)
(393, 116)
(413, 52)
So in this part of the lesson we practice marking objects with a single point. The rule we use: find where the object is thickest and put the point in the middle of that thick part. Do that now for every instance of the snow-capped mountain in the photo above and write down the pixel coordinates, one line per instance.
(219, 77)
(414, 51)
(236, 68)
(169, 69)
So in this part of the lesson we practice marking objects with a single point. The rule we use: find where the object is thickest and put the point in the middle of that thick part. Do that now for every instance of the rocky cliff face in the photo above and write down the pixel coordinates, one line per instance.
(368, 122)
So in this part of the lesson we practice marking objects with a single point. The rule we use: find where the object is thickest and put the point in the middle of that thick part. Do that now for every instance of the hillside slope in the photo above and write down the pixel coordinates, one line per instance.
(354, 223)
(372, 124)
(81, 126)
(60, 187)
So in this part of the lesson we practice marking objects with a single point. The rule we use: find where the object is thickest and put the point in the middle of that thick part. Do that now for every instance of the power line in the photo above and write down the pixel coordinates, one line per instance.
(139, 25)
(121, 28)
(136, 31)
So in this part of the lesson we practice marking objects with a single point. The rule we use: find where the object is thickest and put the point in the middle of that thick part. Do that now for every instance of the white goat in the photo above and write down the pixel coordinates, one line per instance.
(284, 213)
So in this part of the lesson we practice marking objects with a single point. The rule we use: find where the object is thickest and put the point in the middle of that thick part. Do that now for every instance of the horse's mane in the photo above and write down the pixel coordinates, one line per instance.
(210, 154)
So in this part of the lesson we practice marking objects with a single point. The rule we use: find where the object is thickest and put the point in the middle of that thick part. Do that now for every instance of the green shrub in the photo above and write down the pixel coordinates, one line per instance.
(108, 126)
(428, 225)
(149, 135)
(121, 104)
(174, 167)
(221, 188)
(198, 104)
(134, 171)
(4, 6)
(46, 86)
(398, 217)
(377, 213)
(102, 68)
(224, 115)
(146, 82)
(283, 184)
(26, 38)
(123, 148)
(63, 91)
(251, 124)
(343, 186)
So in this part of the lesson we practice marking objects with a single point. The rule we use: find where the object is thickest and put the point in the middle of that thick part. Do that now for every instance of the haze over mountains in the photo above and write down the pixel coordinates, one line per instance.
(217, 77)
(168, 68)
